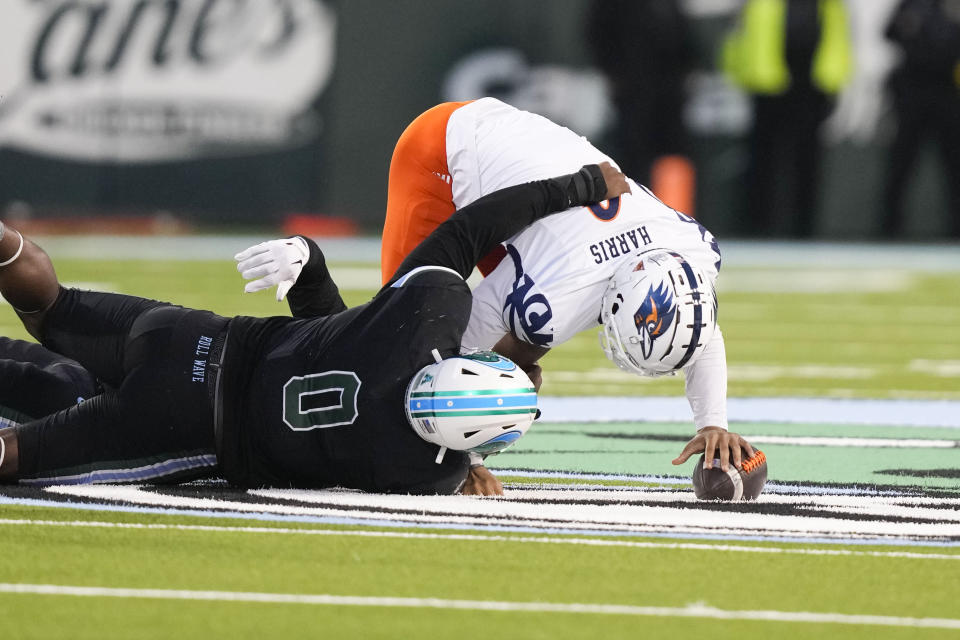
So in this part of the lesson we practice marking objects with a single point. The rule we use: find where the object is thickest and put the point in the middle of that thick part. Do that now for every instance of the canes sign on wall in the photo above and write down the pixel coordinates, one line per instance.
(143, 81)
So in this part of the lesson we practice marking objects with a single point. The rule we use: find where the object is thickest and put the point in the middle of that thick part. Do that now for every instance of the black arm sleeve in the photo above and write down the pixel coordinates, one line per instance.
(315, 293)
(470, 233)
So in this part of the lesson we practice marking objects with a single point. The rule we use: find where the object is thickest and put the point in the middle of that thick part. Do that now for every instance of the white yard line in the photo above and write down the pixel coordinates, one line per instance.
(519, 539)
(694, 610)
(906, 413)
(812, 280)
(882, 443)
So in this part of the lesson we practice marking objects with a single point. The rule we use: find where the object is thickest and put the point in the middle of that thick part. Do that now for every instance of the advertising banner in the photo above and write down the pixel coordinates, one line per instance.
(136, 82)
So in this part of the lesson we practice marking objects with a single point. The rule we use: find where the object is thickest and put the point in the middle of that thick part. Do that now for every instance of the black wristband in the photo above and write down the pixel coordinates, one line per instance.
(586, 186)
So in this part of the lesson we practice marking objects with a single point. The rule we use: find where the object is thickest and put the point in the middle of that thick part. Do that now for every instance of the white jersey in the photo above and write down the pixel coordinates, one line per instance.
(549, 286)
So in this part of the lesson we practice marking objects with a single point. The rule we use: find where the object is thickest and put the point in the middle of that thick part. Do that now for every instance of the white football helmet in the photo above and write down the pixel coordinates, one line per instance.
(659, 313)
(479, 402)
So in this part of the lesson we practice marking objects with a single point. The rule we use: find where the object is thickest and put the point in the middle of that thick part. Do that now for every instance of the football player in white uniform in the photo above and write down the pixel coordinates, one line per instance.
(644, 271)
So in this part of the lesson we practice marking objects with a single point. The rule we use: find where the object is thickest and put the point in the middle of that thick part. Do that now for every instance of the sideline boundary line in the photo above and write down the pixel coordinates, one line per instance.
(690, 611)
(596, 542)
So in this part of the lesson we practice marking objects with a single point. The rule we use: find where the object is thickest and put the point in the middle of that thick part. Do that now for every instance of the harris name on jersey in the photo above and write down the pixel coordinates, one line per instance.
(621, 244)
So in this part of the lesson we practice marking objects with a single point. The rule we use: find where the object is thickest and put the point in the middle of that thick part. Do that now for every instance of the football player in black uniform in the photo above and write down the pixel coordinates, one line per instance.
(37, 382)
(311, 401)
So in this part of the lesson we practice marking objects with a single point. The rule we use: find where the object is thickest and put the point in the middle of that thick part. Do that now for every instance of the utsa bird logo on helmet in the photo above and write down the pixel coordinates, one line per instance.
(670, 314)
(654, 317)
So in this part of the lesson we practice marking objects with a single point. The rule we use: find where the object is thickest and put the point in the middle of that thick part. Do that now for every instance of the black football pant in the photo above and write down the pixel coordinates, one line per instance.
(36, 382)
(155, 420)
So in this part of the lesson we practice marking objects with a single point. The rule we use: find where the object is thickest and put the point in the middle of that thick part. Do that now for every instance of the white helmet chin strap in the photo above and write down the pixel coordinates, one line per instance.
(610, 343)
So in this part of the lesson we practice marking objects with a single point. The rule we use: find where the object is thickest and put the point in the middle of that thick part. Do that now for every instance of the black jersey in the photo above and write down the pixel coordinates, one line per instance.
(319, 401)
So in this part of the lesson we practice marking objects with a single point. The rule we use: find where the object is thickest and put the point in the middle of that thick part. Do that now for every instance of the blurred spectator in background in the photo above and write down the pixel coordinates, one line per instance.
(643, 47)
(926, 99)
(793, 57)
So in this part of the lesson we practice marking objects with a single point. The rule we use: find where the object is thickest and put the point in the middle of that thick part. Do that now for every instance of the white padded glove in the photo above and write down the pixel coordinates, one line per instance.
(275, 262)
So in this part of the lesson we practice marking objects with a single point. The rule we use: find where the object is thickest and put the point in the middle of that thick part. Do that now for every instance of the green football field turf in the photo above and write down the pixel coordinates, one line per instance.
(225, 559)
(893, 334)
(86, 571)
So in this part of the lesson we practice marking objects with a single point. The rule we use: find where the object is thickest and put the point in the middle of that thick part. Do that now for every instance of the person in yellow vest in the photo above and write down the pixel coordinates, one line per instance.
(793, 57)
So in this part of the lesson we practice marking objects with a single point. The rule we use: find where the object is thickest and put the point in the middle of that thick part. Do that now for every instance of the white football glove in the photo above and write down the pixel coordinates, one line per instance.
(275, 262)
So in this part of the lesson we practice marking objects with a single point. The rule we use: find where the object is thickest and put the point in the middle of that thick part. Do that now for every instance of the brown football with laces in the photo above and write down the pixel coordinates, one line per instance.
(736, 484)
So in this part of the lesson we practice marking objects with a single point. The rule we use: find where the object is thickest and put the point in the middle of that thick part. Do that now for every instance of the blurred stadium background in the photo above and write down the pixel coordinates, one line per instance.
(178, 115)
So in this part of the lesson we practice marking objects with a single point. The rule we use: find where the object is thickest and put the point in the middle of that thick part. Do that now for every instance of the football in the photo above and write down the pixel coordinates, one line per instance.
(733, 485)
